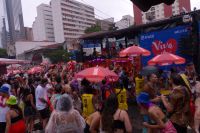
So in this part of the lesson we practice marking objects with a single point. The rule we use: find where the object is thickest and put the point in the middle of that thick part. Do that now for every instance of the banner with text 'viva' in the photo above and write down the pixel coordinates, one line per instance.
(166, 40)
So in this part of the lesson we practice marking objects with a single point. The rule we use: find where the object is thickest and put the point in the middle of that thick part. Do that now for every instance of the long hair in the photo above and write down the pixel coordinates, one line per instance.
(176, 79)
(25, 93)
(17, 108)
(110, 107)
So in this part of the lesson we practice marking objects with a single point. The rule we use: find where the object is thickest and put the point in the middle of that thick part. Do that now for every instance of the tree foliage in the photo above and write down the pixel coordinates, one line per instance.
(59, 55)
(94, 28)
(3, 53)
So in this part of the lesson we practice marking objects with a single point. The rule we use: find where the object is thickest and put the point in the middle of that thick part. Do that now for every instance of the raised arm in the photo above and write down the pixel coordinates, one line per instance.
(8, 121)
(127, 122)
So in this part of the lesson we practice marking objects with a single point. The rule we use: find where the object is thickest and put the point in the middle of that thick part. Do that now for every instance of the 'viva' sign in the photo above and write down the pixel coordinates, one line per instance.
(159, 47)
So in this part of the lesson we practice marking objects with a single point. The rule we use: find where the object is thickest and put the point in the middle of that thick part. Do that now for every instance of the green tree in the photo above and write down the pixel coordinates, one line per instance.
(58, 55)
(94, 28)
(3, 53)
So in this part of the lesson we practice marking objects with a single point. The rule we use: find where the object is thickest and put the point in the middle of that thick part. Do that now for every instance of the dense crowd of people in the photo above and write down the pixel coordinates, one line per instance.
(169, 102)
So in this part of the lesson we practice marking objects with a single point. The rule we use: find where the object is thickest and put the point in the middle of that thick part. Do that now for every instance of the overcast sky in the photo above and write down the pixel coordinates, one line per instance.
(103, 8)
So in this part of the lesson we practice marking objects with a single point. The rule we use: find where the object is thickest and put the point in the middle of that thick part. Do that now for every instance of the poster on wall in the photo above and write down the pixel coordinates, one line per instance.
(164, 41)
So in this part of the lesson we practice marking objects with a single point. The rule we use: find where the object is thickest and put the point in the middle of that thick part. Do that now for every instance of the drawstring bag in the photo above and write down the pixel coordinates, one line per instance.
(192, 108)
(50, 105)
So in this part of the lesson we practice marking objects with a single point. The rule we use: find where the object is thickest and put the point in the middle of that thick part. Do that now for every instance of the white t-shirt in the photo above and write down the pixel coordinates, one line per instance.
(3, 109)
(40, 92)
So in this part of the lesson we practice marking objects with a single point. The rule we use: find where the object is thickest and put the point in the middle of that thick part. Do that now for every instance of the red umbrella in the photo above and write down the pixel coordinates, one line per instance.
(45, 63)
(134, 51)
(12, 61)
(121, 60)
(16, 71)
(36, 69)
(166, 59)
(97, 74)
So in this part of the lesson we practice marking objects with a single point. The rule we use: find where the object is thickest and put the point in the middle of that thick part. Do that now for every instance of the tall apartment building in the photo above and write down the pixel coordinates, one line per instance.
(1, 45)
(11, 24)
(42, 27)
(70, 19)
(125, 22)
(105, 24)
(28, 34)
(1, 22)
(160, 11)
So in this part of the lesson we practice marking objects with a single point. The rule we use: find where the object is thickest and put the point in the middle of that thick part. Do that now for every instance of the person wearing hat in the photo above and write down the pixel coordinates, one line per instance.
(179, 103)
(190, 71)
(4, 95)
(159, 121)
(14, 117)
(196, 94)
(9, 88)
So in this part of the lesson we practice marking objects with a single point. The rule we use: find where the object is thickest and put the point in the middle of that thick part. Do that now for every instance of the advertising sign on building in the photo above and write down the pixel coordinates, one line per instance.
(163, 41)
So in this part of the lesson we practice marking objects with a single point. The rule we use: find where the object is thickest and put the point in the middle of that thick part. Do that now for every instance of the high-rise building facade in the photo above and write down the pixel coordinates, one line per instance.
(70, 19)
(105, 24)
(125, 22)
(28, 34)
(12, 24)
(160, 11)
(43, 29)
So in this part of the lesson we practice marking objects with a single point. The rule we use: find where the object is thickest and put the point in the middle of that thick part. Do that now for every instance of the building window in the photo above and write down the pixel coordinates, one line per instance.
(153, 13)
(47, 11)
(150, 16)
(152, 8)
(50, 32)
(49, 15)
(50, 36)
(49, 19)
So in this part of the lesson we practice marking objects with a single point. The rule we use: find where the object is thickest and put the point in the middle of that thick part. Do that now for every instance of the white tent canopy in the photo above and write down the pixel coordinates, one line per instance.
(4, 61)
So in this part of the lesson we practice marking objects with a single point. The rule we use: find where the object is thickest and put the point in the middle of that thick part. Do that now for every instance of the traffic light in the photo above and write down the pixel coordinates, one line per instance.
(145, 5)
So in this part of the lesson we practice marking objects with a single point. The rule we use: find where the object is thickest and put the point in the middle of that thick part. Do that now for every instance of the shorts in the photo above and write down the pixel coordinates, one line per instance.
(87, 128)
(29, 112)
(169, 128)
(2, 127)
(45, 113)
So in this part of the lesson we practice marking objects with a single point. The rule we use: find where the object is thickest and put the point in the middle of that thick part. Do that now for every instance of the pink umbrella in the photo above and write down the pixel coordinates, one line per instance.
(97, 74)
(166, 59)
(36, 69)
(16, 71)
(12, 61)
(44, 63)
(134, 51)
(120, 60)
